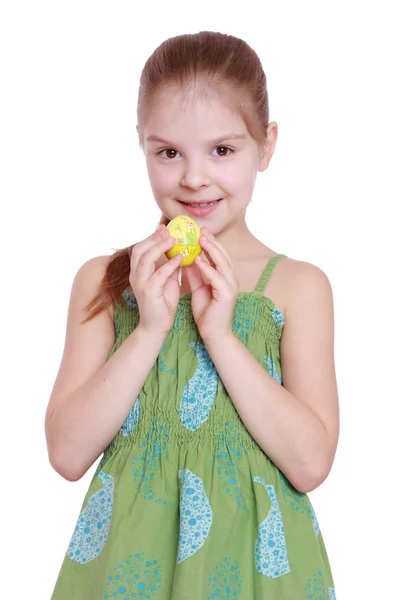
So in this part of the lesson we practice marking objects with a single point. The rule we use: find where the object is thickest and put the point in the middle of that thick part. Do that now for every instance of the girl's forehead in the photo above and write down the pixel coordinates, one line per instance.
(192, 100)
(175, 111)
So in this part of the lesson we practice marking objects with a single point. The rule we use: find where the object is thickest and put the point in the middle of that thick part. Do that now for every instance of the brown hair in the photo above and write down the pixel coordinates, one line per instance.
(214, 64)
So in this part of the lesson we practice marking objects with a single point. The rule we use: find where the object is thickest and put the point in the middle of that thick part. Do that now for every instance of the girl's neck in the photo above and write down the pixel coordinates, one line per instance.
(239, 241)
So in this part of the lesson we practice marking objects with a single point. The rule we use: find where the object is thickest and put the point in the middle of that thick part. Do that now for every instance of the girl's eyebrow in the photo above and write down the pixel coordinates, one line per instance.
(219, 140)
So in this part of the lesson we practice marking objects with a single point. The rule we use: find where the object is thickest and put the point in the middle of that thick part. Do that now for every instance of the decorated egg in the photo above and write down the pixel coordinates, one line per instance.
(186, 233)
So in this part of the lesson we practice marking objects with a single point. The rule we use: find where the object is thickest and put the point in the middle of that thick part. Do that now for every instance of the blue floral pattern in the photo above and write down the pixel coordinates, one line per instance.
(93, 524)
(200, 391)
(278, 317)
(273, 371)
(229, 452)
(315, 587)
(225, 581)
(298, 502)
(245, 316)
(136, 577)
(147, 463)
(132, 419)
(271, 552)
(195, 515)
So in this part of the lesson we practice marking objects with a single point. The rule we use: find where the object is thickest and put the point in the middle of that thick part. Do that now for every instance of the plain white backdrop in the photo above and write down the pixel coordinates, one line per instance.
(73, 185)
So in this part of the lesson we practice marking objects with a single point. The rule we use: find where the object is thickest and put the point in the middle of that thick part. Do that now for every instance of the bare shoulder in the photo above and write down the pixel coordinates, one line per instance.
(96, 265)
(309, 311)
(295, 282)
(90, 275)
(304, 282)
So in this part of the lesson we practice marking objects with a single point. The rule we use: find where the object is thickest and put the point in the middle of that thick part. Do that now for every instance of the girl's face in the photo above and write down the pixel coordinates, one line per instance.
(200, 152)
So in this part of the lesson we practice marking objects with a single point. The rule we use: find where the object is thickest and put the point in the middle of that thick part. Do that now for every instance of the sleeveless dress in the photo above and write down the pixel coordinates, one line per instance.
(184, 504)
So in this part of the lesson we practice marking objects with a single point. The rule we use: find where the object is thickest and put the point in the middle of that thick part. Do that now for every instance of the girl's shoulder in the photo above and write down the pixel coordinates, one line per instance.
(302, 288)
(293, 282)
(93, 271)
(301, 280)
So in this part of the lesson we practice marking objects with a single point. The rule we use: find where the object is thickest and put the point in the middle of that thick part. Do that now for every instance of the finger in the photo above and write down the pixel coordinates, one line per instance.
(143, 246)
(175, 273)
(146, 265)
(218, 259)
(206, 255)
(169, 269)
(216, 279)
(212, 238)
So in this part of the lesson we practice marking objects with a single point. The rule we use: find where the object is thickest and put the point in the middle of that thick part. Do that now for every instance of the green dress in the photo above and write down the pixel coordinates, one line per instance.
(184, 504)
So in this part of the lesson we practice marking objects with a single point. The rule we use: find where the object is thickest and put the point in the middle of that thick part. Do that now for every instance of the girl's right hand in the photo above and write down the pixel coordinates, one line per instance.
(157, 292)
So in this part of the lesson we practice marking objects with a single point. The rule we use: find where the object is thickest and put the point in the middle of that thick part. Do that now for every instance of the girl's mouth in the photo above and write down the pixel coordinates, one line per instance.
(202, 208)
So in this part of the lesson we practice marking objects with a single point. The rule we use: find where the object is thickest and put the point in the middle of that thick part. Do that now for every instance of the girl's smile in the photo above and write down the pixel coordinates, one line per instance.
(200, 209)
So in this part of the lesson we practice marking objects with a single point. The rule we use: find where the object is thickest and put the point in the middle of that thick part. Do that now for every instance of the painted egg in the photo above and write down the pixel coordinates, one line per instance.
(186, 233)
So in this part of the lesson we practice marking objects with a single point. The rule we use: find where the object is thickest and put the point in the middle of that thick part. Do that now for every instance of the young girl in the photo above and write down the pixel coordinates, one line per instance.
(214, 402)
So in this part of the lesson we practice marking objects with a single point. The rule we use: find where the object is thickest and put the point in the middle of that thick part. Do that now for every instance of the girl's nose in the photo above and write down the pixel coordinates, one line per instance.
(195, 177)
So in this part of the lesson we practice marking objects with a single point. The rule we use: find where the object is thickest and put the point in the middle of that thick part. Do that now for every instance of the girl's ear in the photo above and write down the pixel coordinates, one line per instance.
(265, 157)
(268, 149)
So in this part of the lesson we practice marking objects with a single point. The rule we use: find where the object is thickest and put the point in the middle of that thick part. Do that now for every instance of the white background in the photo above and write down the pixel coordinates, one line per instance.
(73, 185)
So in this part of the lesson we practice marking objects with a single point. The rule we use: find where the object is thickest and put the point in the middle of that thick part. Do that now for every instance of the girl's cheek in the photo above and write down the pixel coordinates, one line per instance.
(167, 178)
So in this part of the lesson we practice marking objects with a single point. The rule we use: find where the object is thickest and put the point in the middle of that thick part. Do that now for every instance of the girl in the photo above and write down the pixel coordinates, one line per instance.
(214, 402)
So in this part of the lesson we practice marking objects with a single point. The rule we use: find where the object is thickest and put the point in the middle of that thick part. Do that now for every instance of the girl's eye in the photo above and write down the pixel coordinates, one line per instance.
(224, 150)
(171, 153)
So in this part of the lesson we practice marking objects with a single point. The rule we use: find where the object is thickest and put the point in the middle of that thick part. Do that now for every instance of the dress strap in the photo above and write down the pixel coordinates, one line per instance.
(266, 274)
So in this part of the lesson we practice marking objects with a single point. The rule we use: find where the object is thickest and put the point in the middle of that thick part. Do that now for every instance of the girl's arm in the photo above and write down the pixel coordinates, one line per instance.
(297, 423)
(92, 396)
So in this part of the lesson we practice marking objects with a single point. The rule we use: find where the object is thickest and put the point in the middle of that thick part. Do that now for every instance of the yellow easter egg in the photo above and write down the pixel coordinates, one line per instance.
(189, 253)
(186, 233)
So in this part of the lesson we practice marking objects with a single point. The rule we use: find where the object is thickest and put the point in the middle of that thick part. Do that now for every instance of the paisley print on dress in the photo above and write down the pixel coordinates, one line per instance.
(93, 524)
(200, 391)
(270, 552)
(195, 515)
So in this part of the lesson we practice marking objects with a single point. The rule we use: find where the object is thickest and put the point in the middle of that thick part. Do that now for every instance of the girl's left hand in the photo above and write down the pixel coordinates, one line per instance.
(213, 303)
